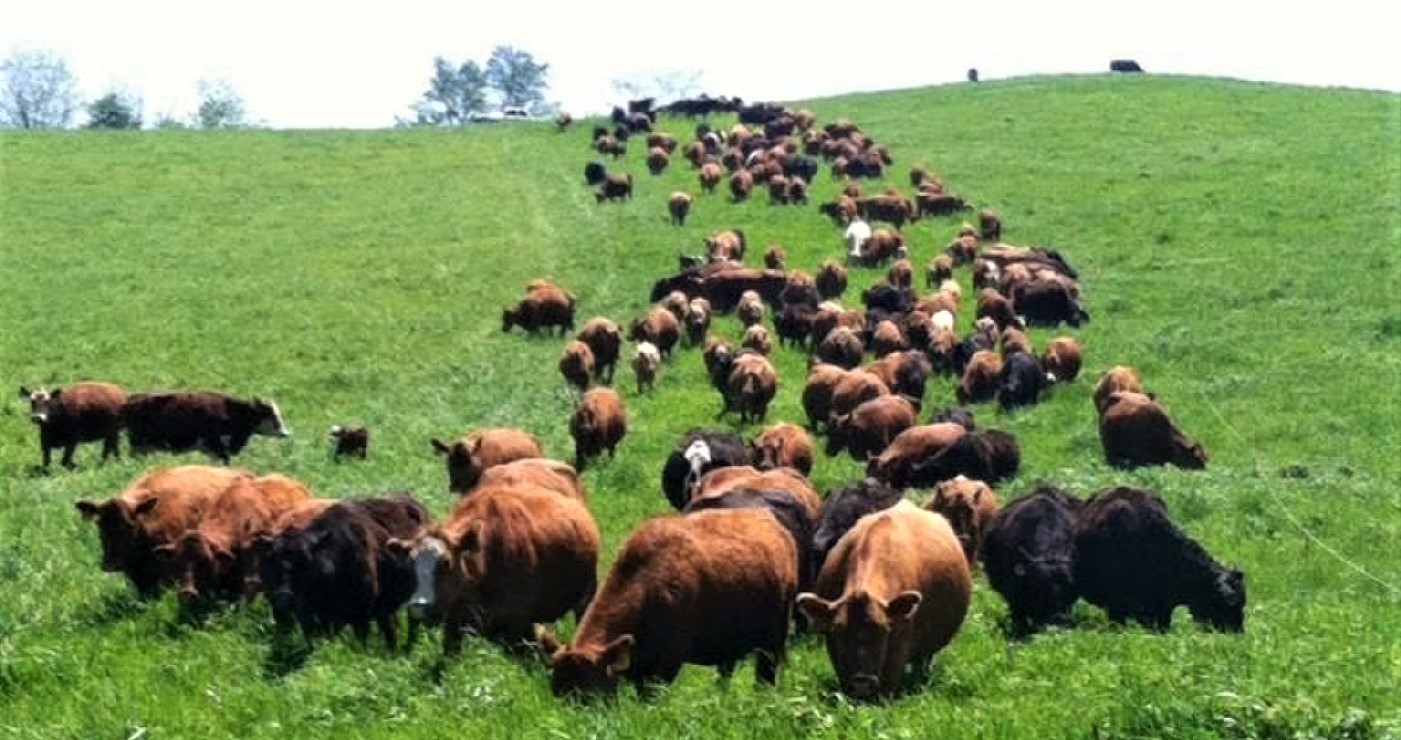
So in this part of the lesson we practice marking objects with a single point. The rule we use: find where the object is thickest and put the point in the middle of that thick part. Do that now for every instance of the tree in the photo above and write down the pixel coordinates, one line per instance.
(664, 87)
(517, 77)
(454, 94)
(36, 91)
(115, 111)
(220, 106)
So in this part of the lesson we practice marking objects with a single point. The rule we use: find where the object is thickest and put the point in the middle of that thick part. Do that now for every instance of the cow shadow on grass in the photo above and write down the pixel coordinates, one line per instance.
(113, 607)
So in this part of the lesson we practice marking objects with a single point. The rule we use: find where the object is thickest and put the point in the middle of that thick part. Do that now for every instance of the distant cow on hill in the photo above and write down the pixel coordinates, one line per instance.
(1124, 65)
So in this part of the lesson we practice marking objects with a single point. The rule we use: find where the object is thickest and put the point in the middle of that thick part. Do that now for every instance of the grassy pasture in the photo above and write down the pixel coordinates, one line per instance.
(1238, 243)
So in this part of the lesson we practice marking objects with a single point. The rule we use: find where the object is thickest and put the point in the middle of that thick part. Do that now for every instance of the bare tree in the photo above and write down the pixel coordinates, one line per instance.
(36, 91)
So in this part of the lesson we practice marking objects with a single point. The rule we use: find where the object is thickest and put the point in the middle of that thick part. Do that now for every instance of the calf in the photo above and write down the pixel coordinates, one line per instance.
(756, 337)
(699, 451)
(605, 341)
(600, 422)
(505, 559)
(706, 588)
(782, 446)
(870, 427)
(750, 309)
(989, 225)
(1135, 430)
(893, 592)
(82, 412)
(1028, 553)
(349, 442)
(216, 423)
(775, 257)
(989, 455)
(469, 456)
(576, 364)
(1135, 563)
(968, 505)
(646, 365)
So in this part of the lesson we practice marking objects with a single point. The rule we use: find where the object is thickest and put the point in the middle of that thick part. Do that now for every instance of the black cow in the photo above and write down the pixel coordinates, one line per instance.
(988, 455)
(1028, 552)
(804, 167)
(843, 507)
(1021, 382)
(888, 298)
(336, 572)
(595, 173)
(1048, 303)
(186, 420)
(1132, 561)
(1124, 65)
(954, 415)
(786, 508)
(700, 451)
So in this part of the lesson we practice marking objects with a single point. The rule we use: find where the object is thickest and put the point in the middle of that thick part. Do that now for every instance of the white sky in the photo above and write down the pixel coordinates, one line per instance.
(349, 64)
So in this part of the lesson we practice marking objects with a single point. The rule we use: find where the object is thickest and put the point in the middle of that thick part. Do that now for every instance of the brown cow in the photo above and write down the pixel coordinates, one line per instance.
(912, 446)
(892, 593)
(82, 412)
(870, 427)
(981, 378)
(660, 327)
(841, 346)
(600, 422)
(708, 588)
(989, 225)
(679, 206)
(1061, 360)
(349, 442)
(154, 510)
(726, 245)
(821, 383)
(995, 306)
(968, 505)
(507, 558)
(208, 561)
(1015, 340)
(887, 338)
(717, 481)
(535, 472)
(750, 309)
(576, 364)
(747, 383)
(469, 456)
(1116, 379)
(741, 184)
(900, 274)
(831, 280)
(1135, 430)
(775, 257)
(756, 337)
(657, 160)
(618, 186)
(854, 389)
(883, 245)
(783, 446)
(545, 307)
(710, 174)
(605, 340)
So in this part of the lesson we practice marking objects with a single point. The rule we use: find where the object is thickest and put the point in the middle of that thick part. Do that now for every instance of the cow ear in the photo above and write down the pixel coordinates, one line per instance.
(88, 509)
(55, 393)
(820, 612)
(617, 656)
(144, 507)
(902, 608)
(439, 447)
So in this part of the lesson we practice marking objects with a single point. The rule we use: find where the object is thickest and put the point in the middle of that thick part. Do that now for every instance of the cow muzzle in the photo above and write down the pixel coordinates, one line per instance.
(40, 419)
(421, 608)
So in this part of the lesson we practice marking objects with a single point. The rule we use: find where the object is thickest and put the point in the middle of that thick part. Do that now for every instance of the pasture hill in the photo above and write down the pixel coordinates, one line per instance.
(1238, 243)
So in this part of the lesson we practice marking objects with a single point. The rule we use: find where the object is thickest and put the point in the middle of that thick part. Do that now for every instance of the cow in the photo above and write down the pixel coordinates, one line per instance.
(995, 306)
(841, 347)
(698, 316)
(617, 186)
(720, 480)
(990, 455)
(218, 424)
(954, 414)
(886, 339)
(1135, 430)
(843, 507)
(881, 246)
(605, 341)
(821, 383)
(1136, 564)
(1120, 378)
(536, 472)
(1124, 65)
(775, 257)
(853, 389)
(1028, 553)
(1048, 303)
(679, 206)
(337, 570)
(545, 307)
(83, 412)
(855, 237)
(904, 373)
(707, 588)
(939, 204)
(917, 443)
(741, 185)
(894, 591)
(747, 383)
(349, 442)
(207, 561)
(595, 173)
(981, 378)
(710, 174)
(1061, 360)
(782, 446)
(153, 510)
(659, 327)
(940, 269)
(506, 558)
(479, 450)
(989, 225)
(893, 209)
(793, 324)
(698, 452)
(870, 427)
(756, 337)
(600, 422)
(969, 505)
(831, 280)
(796, 517)
(750, 309)
(1021, 381)
(657, 160)
(646, 365)
(576, 364)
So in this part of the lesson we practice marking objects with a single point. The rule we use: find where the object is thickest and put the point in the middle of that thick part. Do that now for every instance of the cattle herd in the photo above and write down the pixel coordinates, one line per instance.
(755, 547)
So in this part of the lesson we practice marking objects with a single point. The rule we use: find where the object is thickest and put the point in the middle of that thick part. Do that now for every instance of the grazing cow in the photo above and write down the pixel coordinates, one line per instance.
(841, 347)
(904, 373)
(908, 448)
(537, 472)
(887, 339)
(775, 257)
(830, 280)
(955, 415)
(600, 422)
(700, 451)
(1135, 563)
(893, 209)
(545, 307)
(186, 420)
(470, 456)
(506, 558)
(617, 186)
(595, 173)
(870, 427)
(679, 206)
(660, 327)
(894, 591)
(646, 365)
(1048, 303)
(349, 442)
(82, 412)
(782, 446)
(576, 364)
(1028, 554)
(747, 383)
(939, 204)
(981, 378)
(1061, 360)
(990, 455)
(756, 337)
(337, 570)
(1135, 430)
(750, 309)
(940, 269)
(969, 505)
(154, 510)
(605, 341)
(697, 320)
(882, 245)
(710, 174)
(796, 517)
(720, 480)
(989, 225)
(1124, 65)
(657, 160)
(208, 560)
(741, 184)
(1120, 378)
(842, 508)
(706, 588)
(1021, 381)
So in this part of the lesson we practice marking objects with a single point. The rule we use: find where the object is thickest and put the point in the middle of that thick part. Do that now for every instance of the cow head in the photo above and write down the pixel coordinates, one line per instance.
(270, 421)
(590, 671)
(427, 555)
(1190, 455)
(509, 316)
(288, 561)
(196, 564)
(838, 433)
(698, 457)
(1220, 604)
(118, 528)
(859, 627)
(464, 469)
(41, 403)
(767, 452)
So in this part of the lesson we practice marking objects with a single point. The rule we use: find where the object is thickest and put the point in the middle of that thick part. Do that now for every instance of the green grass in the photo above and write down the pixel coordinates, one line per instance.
(1237, 242)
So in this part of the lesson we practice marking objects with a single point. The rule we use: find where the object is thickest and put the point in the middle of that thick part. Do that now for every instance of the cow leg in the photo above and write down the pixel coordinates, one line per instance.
(452, 638)
(68, 451)
(109, 445)
(361, 630)
(388, 629)
(47, 455)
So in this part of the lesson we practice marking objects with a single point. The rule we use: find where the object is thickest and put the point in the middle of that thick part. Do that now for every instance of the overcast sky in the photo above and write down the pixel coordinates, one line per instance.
(321, 64)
